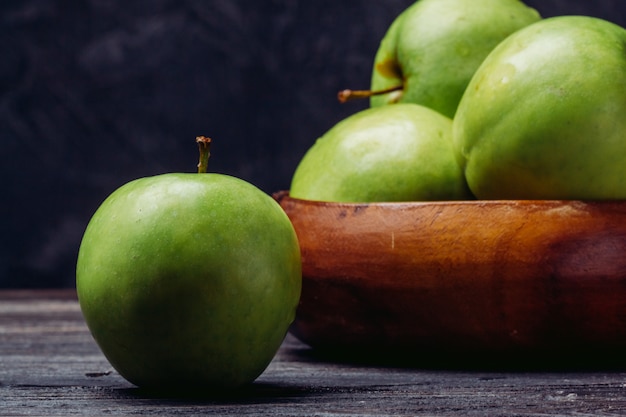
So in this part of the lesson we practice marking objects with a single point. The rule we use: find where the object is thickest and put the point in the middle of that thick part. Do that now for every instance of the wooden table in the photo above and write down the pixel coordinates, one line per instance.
(50, 366)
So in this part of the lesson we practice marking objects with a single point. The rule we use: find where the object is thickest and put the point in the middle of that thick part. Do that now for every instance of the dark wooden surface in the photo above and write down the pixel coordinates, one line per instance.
(49, 365)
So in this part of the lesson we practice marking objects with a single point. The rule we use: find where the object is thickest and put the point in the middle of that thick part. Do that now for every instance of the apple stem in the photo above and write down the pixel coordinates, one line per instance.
(204, 145)
(349, 95)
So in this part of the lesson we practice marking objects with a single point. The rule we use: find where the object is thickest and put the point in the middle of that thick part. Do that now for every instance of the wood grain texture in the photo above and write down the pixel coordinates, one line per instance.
(505, 278)
(49, 365)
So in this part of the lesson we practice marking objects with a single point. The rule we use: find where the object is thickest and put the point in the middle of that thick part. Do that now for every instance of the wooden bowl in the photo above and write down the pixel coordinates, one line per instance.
(507, 281)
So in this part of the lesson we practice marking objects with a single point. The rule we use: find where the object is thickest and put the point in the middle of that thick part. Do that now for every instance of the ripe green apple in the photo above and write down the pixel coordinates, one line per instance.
(432, 49)
(390, 153)
(189, 279)
(543, 117)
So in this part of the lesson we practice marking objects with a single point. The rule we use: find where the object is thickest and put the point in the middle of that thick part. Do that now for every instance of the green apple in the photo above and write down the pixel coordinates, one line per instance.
(432, 49)
(543, 117)
(390, 153)
(189, 280)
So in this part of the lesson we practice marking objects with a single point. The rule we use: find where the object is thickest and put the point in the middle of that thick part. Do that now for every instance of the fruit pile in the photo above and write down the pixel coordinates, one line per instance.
(192, 280)
(481, 99)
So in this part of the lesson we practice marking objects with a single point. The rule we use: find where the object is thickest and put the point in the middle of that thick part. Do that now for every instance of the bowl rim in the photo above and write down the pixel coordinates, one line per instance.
(284, 195)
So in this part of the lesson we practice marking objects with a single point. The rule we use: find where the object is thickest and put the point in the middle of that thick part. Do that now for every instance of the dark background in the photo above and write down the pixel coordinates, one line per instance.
(94, 93)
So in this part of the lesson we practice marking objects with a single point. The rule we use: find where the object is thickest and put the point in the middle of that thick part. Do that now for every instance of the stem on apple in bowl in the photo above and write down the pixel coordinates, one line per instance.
(349, 95)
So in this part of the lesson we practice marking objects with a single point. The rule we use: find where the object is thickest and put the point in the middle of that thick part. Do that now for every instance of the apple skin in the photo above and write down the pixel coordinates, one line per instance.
(391, 153)
(434, 46)
(189, 280)
(543, 117)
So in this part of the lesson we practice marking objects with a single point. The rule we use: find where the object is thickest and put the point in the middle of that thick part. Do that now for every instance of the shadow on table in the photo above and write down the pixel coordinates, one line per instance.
(574, 360)
(255, 393)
